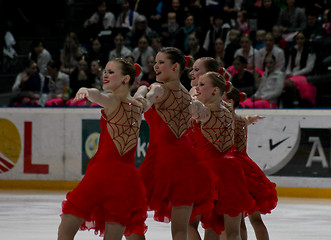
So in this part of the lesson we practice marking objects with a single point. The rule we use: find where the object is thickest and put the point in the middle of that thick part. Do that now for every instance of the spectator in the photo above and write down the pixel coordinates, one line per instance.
(120, 51)
(314, 32)
(298, 92)
(195, 50)
(247, 51)
(149, 76)
(170, 29)
(327, 21)
(270, 87)
(200, 13)
(79, 78)
(259, 39)
(278, 35)
(97, 51)
(176, 7)
(56, 85)
(141, 53)
(101, 20)
(96, 74)
(218, 29)
(272, 49)
(219, 51)
(184, 32)
(127, 17)
(140, 28)
(243, 80)
(241, 22)
(40, 55)
(70, 52)
(292, 18)
(157, 44)
(28, 85)
(231, 46)
(267, 15)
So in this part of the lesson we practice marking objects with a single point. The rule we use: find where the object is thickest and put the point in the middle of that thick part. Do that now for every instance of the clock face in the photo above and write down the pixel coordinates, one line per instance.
(273, 141)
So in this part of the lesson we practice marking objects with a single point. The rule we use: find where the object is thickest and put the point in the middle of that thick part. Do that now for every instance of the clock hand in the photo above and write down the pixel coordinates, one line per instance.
(272, 146)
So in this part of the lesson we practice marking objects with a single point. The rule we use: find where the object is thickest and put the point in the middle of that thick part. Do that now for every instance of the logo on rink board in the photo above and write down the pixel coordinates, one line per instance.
(90, 141)
(10, 145)
(282, 147)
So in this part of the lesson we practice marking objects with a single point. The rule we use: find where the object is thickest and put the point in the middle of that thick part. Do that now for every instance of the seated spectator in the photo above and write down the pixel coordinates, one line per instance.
(150, 76)
(120, 51)
(267, 15)
(141, 53)
(292, 18)
(269, 89)
(271, 48)
(56, 87)
(247, 52)
(298, 92)
(279, 40)
(79, 78)
(139, 29)
(259, 39)
(101, 20)
(97, 51)
(96, 74)
(169, 29)
(243, 79)
(126, 18)
(327, 21)
(314, 32)
(241, 22)
(219, 29)
(176, 7)
(219, 51)
(195, 50)
(231, 45)
(184, 32)
(157, 44)
(28, 85)
(40, 55)
(70, 53)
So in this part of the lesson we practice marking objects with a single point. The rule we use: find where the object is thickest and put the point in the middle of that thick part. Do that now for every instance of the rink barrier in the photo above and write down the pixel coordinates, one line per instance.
(49, 148)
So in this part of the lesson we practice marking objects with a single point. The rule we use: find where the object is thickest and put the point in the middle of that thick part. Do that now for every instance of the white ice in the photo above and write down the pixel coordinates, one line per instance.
(34, 215)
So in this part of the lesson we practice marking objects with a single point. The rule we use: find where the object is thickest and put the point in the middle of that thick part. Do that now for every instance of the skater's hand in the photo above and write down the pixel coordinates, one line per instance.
(81, 94)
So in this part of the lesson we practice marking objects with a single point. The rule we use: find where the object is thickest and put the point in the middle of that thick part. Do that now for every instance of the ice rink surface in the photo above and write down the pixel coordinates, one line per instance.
(34, 215)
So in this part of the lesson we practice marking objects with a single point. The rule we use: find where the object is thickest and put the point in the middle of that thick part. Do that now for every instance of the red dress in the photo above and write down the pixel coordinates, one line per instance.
(233, 195)
(261, 188)
(171, 171)
(111, 190)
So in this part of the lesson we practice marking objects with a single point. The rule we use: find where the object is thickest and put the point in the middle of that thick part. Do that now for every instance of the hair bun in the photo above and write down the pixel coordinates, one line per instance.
(138, 69)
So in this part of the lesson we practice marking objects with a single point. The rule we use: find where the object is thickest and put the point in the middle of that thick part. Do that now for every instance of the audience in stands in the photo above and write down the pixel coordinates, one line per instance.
(137, 30)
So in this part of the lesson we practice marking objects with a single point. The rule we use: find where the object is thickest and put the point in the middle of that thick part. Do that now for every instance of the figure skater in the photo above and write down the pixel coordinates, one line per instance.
(111, 198)
(178, 186)
(262, 189)
(214, 132)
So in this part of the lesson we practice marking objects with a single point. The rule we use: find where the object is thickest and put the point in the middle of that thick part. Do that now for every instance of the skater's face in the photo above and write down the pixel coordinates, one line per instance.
(164, 68)
(112, 77)
(205, 89)
(197, 70)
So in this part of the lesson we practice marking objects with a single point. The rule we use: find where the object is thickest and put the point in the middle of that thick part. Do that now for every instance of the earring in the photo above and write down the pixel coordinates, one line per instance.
(173, 69)
(213, 93)
(123, 82)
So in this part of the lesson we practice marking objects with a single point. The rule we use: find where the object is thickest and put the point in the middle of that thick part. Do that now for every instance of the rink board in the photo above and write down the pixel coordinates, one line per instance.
(50, 148)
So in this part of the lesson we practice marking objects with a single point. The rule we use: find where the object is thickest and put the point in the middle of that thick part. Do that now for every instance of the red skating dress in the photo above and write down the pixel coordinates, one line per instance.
(171, 171)
(112, 190)
(215, 145)
(261, 188)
